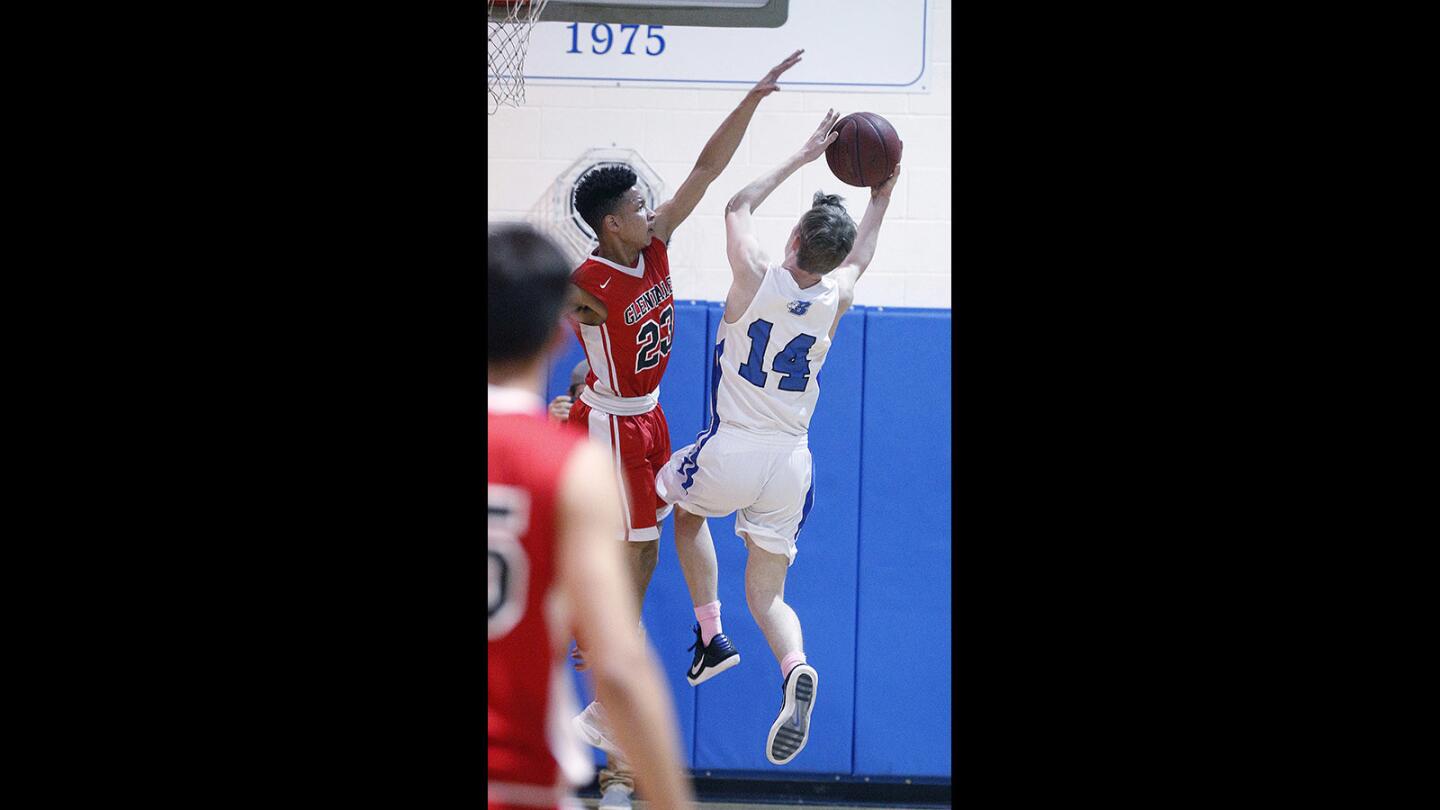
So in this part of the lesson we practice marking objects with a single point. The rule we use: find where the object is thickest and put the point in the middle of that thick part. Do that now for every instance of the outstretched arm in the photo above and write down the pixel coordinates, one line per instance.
(750, 197)
(717, 153)
(747, 262)
(867, 236)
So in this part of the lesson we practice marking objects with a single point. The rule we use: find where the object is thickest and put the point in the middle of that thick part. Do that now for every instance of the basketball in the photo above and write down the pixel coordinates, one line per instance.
(867, 150)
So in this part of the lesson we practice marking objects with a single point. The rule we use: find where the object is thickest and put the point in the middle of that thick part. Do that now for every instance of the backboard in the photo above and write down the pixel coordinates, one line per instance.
(710, 13)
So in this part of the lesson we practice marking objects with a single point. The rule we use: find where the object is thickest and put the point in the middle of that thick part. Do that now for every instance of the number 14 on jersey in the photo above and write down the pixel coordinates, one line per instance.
(793, 361)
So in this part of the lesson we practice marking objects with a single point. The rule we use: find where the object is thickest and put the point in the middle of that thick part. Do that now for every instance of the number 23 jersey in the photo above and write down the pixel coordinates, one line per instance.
(768, 362)
(628, 353)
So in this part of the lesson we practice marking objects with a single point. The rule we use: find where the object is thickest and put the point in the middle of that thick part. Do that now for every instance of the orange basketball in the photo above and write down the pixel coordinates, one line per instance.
(867, 150)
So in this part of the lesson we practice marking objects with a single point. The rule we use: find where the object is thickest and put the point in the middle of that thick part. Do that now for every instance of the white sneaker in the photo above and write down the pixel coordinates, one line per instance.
(594, 728)
(617, 797)
(791, 729)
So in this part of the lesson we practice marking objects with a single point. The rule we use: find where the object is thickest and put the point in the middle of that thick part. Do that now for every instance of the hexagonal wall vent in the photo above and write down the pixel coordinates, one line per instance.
(555, 213)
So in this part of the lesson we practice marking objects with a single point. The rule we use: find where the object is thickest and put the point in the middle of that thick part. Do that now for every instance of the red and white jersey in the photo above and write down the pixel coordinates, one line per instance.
(533, 755)
(628, 353)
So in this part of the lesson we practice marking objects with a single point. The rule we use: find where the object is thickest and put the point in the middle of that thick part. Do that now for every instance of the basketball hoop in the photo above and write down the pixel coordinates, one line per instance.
(511, 22)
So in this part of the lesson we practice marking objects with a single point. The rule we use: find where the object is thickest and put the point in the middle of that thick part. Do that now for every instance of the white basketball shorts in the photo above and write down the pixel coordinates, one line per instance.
(769, 481)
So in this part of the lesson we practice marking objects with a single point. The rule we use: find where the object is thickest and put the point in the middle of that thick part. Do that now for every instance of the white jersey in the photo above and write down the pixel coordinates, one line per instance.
(769, 361)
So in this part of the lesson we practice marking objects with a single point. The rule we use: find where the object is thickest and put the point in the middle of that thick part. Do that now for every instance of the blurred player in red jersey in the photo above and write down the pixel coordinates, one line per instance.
(626, 321)
(554, 568)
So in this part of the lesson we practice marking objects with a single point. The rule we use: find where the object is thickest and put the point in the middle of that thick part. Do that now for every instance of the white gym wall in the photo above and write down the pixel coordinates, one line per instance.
(530, 145)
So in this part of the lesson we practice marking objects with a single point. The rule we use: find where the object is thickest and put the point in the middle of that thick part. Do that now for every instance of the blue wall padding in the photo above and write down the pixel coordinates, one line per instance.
(667, 602)
(683, 391)
(871, 583)
(903, 700)
(561, 364)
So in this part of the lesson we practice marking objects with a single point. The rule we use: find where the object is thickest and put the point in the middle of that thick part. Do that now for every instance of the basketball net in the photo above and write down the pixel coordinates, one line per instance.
(510, 27)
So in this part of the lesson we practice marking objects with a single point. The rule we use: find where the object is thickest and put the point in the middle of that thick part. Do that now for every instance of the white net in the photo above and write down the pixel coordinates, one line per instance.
(510, 27)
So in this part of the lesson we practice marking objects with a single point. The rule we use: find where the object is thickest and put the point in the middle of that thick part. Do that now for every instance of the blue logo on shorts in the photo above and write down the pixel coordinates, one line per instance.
(799, 307)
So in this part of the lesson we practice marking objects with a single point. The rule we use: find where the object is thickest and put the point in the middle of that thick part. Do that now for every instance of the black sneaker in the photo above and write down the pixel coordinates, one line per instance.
(792, 728)
(710, 659)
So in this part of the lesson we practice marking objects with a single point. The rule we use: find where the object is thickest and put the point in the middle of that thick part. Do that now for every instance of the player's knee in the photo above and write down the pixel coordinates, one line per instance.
(687, 523)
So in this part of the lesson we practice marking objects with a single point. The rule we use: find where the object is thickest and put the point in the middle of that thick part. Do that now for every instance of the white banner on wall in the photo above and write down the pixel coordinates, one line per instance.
(850, 46)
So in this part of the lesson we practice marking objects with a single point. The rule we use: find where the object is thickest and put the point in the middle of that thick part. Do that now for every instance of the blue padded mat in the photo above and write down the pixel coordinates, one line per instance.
(667, 601)
(903, 688)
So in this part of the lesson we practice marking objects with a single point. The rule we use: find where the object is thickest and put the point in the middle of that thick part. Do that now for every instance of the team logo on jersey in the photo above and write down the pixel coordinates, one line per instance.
(799, 307)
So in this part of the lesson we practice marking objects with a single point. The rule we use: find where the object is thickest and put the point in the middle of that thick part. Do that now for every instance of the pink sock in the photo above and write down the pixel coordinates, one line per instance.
(709, 616)
(789, 662)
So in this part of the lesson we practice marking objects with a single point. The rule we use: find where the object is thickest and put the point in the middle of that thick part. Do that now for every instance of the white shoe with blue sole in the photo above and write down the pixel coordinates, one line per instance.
(791, 729)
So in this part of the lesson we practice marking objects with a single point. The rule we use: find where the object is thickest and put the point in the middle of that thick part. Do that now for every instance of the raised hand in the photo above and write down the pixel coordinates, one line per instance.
(767, 85)
(884, 189)
(821, 138)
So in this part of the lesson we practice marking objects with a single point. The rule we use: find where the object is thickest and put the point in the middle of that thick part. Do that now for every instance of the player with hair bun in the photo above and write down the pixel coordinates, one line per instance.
(753, 457)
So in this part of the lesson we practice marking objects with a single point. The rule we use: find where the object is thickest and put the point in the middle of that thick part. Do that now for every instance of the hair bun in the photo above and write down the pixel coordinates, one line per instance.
(821, 198)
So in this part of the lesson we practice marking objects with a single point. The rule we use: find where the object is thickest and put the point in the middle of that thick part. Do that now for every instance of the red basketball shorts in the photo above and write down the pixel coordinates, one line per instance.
(640, 446)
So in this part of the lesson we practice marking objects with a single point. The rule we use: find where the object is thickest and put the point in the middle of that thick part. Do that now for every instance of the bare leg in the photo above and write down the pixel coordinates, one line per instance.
(765, 593)
(697, 557)
(616, 772)
(640, 558)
